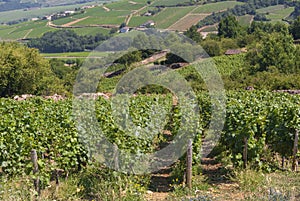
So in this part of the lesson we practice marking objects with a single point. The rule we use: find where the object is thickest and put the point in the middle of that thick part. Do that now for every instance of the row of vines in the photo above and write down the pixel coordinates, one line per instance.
(267, 120)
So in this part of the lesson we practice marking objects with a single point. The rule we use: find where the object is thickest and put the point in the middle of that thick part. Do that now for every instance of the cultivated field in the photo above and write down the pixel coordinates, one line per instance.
(130, 12)
(20, 14)
(125, 5)
(215, 7)
(186, 22)
(245, 20)
(163, 19)
(169, 2)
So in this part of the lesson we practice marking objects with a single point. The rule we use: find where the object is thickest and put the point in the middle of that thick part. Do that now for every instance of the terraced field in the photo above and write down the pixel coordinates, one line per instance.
(186, 22)
(215, 7)
(132, 13)
(245, 20)
(100, 21)
(20, 14)
(125, 5)
(169, 2)
(165, 18)
(276, 13)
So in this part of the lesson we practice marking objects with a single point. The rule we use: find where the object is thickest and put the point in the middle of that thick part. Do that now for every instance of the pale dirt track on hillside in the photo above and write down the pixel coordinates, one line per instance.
(74, 22)
(105, 8)
(187, 21)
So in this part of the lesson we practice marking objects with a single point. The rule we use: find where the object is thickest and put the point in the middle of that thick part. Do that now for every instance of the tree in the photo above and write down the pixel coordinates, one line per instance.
(23, 70)
(66, 41)
(295, 28)
(229, 27)
(276, 50)
(193, 34)
(212, 47)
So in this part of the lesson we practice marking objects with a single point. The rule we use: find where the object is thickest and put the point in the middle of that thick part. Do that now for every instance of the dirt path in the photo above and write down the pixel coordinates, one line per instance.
(74, 22)
(218, 177)
(105, 8)
(128, 18)
(27, 33)
(132, 2)
(160, 188)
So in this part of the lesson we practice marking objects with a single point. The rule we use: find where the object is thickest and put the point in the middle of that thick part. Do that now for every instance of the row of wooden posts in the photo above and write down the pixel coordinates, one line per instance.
(294, 156)
(189, 161)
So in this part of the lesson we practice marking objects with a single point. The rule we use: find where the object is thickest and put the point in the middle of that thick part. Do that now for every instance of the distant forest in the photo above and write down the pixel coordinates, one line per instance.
(66, 41)
(249, 7)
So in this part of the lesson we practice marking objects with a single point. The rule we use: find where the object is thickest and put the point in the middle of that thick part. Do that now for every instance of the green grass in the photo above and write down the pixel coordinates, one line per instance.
(138, 20)
(19, 14)
(270, 9)
(124, 5)
(38, 32)
(91, 31)
(63, 21)
(101, 20)
(163, 19)
(215, 7)
(75, 54)
(278, 15)
(35, 29)
(168, 2)
(245, 20)
(210, 29)
(4, 32)
(38, 28)
(14, 35)
(100, 12)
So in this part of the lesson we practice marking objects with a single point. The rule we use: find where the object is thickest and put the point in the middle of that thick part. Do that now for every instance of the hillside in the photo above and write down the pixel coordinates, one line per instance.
(7, 5)
(162, 14)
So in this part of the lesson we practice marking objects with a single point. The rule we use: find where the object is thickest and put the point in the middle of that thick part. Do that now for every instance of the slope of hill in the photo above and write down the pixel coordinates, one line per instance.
(163, 14)
(7, 5)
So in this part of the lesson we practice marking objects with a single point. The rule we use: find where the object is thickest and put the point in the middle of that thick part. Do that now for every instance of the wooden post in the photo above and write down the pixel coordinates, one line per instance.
(189, 164)
(116, 165)
(282, 162)
(36, 181)
(295, 151)
(116, 157)
(245, 152)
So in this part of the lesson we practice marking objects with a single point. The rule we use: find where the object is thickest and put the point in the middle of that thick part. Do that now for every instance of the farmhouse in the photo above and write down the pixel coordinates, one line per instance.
(68, 12)
(148, 14)
(147, 24)
(124, 29)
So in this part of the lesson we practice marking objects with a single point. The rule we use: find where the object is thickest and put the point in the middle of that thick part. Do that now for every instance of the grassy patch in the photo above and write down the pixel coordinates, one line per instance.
(125, 5)
(245, 20)
(19, 14)
(91, 30)
(75, 54)
(256, 185)
(215, 7)
(270, 9)
(169, 2)
(186, 22)
(101, 20)
(210, 29)
(278, 15)
(163, 19)
(64, 20)
(101, 12)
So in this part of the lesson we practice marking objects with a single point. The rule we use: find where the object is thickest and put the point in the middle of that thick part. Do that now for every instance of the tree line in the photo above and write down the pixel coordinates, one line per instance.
(249, 7)
(66, 41)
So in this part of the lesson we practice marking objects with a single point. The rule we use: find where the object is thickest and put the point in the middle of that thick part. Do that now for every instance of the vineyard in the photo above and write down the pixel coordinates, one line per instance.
(263, 123)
